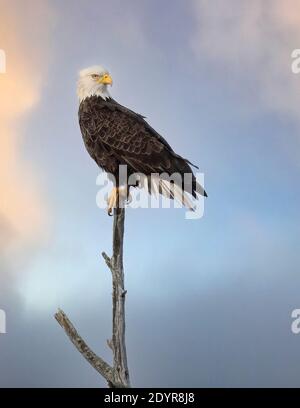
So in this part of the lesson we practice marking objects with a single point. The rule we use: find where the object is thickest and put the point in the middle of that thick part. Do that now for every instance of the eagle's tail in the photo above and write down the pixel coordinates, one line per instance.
(200, 190)
(183, 194)
(174, 191)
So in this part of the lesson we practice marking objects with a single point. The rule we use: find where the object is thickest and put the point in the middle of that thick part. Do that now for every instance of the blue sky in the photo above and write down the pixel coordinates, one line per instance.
(209, 300)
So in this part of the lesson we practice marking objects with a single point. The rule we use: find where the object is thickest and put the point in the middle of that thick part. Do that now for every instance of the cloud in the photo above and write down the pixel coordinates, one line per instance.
(252, 42)
(22, 207)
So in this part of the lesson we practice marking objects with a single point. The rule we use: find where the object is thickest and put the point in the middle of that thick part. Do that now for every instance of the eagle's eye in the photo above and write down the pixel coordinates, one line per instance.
(95, 76)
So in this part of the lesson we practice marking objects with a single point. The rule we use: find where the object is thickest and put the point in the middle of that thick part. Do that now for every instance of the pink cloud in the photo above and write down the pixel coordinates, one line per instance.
(22, 208)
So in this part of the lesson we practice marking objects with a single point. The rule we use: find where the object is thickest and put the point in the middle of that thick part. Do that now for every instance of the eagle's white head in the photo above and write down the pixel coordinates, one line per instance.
(93, 81)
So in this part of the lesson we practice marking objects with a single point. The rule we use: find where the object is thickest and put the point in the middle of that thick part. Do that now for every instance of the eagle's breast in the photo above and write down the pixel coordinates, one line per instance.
(97, 123)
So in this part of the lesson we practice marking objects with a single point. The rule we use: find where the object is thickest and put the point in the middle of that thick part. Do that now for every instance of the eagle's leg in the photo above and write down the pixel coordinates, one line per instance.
(112, 200)
(128, 196)
(118, 196)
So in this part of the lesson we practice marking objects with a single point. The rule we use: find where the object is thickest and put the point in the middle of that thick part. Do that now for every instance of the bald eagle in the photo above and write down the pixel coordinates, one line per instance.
(115, 135)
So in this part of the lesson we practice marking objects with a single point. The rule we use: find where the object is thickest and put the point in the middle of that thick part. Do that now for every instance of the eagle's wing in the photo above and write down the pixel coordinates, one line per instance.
(129, 137)
(141, 119)
(153, 132)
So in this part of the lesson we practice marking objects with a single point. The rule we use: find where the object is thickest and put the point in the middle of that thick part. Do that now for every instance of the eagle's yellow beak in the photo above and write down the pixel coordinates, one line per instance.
(106, 79)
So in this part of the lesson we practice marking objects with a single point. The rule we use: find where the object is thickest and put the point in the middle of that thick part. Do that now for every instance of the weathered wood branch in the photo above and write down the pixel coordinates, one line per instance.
(118, 298)
(118, 375)
(97, 362)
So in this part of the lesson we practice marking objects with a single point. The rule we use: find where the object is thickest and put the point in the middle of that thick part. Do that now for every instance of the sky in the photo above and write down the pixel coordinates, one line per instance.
(209, 301)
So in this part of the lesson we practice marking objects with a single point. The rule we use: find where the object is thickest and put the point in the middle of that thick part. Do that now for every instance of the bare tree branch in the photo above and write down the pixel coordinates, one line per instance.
(97, 362)
(118, 375)
(107, 259)
(118, 299)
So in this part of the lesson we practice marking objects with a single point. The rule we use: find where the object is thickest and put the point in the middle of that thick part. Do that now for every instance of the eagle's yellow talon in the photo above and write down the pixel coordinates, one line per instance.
(112, 201)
